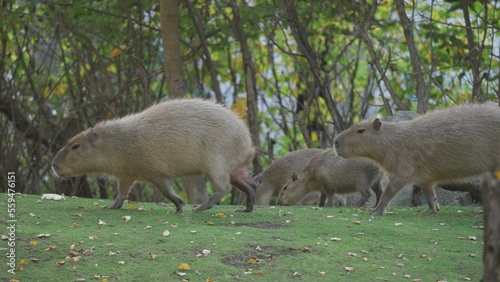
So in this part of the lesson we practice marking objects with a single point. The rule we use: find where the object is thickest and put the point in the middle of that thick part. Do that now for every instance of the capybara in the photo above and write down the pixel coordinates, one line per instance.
(440, 146)
(331, 174)
(270, 181)
(171, 139)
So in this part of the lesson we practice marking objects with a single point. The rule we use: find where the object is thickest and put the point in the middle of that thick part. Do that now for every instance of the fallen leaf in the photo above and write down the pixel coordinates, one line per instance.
(88, 252)
(357, 222)
(75, 225)
(121, 262)
(93, 238)
(33, 243)
(166, 233)
(174, 225)
(252, 261)
(102, 223)
(54, 197)
(133, 208)
(111, 253)
(322, 273)
(31, 214)
(126, 218)
(348, 269)
(34, 259)
(407, 276)
(51, 248)
(149, 227)
(74, 259)
(206, 252)
(220, 214)
(209, 223)
(3, 237)
(398, 223)
(472, 238)
(306, 250)
(59, 262)
(42, 235)
(73, 253)
(184, 266)
(296, 274)
(23, 261)
(335, 239)
(151, 256)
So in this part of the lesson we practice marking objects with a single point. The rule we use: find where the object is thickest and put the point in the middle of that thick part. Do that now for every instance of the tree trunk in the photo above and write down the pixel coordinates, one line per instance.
(491, 211)
(176, 85)
(418, 70)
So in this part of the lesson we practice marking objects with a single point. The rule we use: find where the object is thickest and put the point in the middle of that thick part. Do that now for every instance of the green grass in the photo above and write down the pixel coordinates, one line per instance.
(270, 244)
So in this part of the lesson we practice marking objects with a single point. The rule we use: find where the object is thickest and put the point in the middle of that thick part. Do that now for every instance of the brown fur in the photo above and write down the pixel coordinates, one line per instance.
(444, 145)
(270, 181)
(168, 140)
(331, 174)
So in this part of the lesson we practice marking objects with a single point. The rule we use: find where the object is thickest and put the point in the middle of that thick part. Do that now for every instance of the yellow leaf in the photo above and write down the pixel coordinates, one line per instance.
(220, 214)
(61, 88)
(112, 68)
(252, 261)
(240, 107)
(133, 208)
(34, 243)
(23, 261)
(497, 174)
(184, 266)
(115, 52)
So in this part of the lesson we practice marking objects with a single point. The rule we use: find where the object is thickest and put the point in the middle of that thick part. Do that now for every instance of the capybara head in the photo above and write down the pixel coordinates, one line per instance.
(78, 156)
(352, 142)
(293, 191)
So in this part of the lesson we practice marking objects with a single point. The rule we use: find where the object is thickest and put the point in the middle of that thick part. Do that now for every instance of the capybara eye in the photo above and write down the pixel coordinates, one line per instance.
(75, 146)
(360, 130)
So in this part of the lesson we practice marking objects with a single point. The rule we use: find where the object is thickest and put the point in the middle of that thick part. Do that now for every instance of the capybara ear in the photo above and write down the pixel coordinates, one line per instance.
(294, 177)
(377, 124)
(92, 135)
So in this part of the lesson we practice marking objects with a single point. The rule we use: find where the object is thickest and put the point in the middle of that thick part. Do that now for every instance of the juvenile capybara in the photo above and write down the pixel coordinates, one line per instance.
(440, 146)
(172, 139)
(331, 174)
(270, 181)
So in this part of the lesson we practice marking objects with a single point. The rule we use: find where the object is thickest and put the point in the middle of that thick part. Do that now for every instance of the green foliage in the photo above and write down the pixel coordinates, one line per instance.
(68, 65)
(269, 244)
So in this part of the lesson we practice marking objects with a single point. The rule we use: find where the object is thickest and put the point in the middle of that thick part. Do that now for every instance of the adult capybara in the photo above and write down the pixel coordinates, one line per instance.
(331, 174)
(270, 181)
(168, 140)
(440, 146)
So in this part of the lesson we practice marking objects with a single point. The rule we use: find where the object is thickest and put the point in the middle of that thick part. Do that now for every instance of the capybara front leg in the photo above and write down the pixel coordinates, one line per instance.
(166, 189)
(393, 187)
(430, 196)
(123, 189)
(242, 180)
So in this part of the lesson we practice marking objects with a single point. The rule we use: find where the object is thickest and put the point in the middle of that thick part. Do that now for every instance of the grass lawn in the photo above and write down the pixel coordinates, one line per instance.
(88, 243)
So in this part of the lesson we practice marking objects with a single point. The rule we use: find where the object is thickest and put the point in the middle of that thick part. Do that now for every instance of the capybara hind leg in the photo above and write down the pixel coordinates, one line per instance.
(221, 187)
(242, 180)
(393, 187)
(322, 199)
(166, 189)
(377, 188)
(430, 196)
(365, 194)
(123, 188)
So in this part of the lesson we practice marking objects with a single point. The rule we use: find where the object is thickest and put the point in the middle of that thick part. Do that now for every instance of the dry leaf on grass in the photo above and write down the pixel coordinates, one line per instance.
(102, 223)
(54, 197)
(126, 218)
(42, 235)
(166, 233)
(184, 266)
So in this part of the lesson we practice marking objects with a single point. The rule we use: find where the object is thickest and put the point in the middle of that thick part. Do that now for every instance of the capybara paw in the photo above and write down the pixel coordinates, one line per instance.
(247, 209)
(377, 212)
(112, 206)
(431, 211)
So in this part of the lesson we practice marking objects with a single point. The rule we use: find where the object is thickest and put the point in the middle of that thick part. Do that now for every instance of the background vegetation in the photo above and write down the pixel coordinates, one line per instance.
(298, 71)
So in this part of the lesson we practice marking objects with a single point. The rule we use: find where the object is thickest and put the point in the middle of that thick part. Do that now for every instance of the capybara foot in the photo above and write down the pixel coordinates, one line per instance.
(377, 212)
(247, 209)
(113, 206)
(431, 211)
(179, 209)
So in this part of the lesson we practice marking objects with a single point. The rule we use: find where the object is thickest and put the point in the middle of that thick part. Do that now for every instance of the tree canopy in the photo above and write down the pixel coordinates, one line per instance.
(312, 68)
